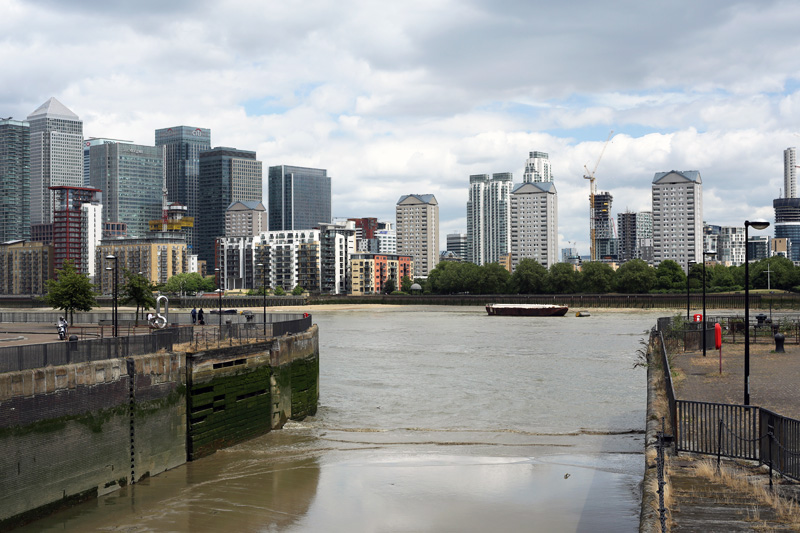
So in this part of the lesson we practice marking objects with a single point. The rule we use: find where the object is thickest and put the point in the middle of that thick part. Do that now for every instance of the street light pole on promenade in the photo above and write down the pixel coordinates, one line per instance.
(759, 225)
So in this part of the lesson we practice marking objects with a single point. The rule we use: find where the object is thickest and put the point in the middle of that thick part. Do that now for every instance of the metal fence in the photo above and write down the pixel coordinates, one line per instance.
(31, 356)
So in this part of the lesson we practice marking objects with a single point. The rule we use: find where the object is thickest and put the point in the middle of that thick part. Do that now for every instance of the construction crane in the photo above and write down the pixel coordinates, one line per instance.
(592, 191)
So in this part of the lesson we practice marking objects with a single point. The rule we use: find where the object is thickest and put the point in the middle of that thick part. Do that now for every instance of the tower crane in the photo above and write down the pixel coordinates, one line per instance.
(592, 191)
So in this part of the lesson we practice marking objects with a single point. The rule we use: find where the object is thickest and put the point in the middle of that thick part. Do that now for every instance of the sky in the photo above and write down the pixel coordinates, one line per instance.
(413, 97)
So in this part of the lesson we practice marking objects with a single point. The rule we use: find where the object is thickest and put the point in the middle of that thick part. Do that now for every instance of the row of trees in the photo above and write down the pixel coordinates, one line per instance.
(632, 277)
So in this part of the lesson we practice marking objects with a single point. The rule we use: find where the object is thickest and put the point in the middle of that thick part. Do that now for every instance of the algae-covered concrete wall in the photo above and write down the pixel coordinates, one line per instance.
(295, 376)
(78, 431)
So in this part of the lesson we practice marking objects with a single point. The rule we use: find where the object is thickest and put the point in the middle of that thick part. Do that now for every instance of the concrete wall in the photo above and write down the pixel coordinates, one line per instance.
(74, 432)
(77, 431)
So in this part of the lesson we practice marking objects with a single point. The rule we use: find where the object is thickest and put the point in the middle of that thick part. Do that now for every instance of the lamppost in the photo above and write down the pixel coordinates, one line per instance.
(114, 312)
(759, 225)
(688, 271)
(264, 293)
(219, 292)
(704, 299)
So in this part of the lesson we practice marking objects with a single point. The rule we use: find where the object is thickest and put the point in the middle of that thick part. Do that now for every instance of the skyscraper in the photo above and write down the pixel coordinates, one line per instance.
(488, 217)
(417, 223)
(537, 168)
(677, 217)
(457, 243)
(789, 173)
(77, 227)
(635, 240)
(15, 180)
(534, 223)
(56, 155)
(182, 165)
(131, 177)
(87, 158)
(226, 175)
(299, 198)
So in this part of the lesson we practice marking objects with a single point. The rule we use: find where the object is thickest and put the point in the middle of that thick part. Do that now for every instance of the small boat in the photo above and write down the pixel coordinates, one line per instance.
(526, 310)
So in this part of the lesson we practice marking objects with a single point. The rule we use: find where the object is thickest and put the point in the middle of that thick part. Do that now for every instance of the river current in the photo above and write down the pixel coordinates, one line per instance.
(430, 419)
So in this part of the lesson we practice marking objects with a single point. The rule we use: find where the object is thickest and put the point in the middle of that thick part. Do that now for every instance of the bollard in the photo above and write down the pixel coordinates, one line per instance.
(779, 340)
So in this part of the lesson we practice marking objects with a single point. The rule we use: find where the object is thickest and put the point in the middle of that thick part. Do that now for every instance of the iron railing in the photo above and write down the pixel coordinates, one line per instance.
(31, 356)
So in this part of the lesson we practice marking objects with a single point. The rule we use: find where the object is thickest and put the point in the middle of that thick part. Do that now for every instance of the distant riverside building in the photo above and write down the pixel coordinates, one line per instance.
(759, 247)
(787, 224)
(384, 240)
(365, 232)
(727, 242)
(626, 225)
(15, 180)
(77, 227)
(42, 233)
(534, 224)
(605, 239)
(158, 257)
(488, 217)
(537, 168)
(56, 136)
(25, 267)
(644, 236)
(87, 155)
(457, 244)
(417, 226)
(570, 255)
(227, 175)
(130, 177)
(790, 173)
(635, 236)
(677, 217)
(245, 218)
(183, 145)
(371, 272)
(299, 197)
(337, 244)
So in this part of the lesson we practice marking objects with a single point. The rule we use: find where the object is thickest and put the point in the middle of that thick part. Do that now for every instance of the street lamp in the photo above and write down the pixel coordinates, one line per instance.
(759, 225)
(264, 293)
(704, 299)
(688, 271)
(219, 291)
(114, 312)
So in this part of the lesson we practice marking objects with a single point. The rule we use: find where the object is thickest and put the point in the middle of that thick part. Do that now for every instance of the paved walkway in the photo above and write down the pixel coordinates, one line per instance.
(700, 504)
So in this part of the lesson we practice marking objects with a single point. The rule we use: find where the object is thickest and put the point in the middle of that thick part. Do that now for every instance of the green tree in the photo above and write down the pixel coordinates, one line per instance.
(596, 277)
(137, 289)
(298, 291)
(389, 286)
(493, 279)
(722, 278)
(279, 291)
(189, 282)
(782, 275)
(562, 279)
(670, 276)
(528, 278)
(405, 284)
(71, 291)
(635, 277)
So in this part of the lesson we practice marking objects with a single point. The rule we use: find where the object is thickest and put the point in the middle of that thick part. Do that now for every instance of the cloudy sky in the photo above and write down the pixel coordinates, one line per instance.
(414, 97)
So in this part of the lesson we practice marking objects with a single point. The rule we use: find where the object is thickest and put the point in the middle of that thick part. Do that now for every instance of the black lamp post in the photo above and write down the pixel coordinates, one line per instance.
(219, 291)
(114, 316)
(264, 293)
(688, 271)
(759, 225)
(704, 298)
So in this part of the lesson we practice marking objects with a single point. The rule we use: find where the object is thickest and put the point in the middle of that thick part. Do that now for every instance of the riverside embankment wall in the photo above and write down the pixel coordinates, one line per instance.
(73, 432)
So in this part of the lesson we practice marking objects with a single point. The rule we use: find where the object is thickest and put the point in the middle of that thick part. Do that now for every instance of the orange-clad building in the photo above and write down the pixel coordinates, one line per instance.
(370, 272)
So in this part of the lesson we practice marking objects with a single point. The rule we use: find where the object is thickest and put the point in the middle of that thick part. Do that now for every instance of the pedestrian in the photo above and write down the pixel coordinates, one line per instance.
(150, 319)
(200, 316)
(194, 316)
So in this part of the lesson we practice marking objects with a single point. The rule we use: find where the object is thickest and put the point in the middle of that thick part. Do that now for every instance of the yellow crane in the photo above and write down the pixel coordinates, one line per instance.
(592, 191)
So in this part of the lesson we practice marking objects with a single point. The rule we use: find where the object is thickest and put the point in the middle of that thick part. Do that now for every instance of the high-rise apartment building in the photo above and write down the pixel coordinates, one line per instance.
(25, 267)
(417, 226)
(727, 242)
(605, 239)
(677, 217)
(626, 225)
(15, 180)
(183, 145)
(226, 175)
(790, 173)
(299, 198)
(56, 155)
(243, 218)
(534, 223)
(131, 178)
(159, 256)
(385, 240)
(488, 217)
(644, 236)
(77, 227)
(537, 168)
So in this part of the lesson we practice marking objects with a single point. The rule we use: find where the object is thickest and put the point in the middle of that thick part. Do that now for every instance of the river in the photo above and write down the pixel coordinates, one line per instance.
(430, 419)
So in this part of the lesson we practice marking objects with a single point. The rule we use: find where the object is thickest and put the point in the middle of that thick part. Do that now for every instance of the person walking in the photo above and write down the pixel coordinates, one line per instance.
(200, 316)
(194, 316)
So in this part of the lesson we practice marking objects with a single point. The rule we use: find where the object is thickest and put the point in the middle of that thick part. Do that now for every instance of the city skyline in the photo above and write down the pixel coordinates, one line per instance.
(416, 102)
